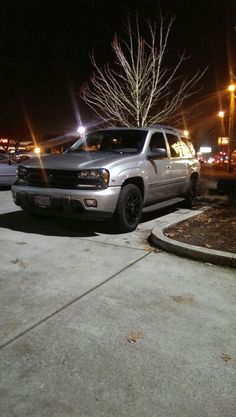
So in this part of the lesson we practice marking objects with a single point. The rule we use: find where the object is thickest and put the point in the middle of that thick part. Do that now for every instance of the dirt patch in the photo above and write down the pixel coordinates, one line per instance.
(213, 229)
(182, 299)
(135, 336)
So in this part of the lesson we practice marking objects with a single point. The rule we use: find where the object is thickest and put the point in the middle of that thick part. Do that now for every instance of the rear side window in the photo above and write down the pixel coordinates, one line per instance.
(175, 147)
(187, 147)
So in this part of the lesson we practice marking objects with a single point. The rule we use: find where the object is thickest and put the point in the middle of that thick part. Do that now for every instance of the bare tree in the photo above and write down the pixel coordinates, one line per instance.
(139, 89)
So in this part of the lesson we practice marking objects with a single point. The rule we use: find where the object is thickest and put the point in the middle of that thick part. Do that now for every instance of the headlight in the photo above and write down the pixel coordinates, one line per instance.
(93, 178)
(22, 175)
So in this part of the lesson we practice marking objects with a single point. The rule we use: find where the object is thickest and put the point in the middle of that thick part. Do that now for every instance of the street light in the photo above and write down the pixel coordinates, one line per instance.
(231, 89)
(81, 130)
(37, 150)
(221, 114)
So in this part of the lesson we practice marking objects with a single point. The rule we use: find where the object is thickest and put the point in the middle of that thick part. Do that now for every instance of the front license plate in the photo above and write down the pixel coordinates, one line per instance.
(42, 201)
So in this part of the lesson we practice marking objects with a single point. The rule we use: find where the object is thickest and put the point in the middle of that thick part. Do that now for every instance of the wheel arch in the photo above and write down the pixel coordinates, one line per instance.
(194, 176)
(138, 181)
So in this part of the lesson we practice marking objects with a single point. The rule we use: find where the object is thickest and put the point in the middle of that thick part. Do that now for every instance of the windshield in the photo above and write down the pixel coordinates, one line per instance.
(118, 141)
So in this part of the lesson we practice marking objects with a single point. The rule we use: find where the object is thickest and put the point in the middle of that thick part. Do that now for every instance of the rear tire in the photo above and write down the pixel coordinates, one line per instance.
(191, 194)
(129, 208)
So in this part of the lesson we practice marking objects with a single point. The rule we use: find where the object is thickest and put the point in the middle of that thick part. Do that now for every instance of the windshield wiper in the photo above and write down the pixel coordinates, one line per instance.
(77, 150)
(123, 151)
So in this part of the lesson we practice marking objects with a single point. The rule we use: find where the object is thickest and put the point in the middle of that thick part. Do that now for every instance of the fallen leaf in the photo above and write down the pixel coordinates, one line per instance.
(183, 299)
(208, 246)
(18, 262)
(149, 249)
(171, 234)
(225, 357)
(135, 336)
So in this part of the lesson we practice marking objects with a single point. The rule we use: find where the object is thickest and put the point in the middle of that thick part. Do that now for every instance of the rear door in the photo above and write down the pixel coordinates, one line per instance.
(178, 164)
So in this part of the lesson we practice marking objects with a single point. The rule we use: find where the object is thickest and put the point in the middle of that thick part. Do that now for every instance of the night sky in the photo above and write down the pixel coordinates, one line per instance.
(45, 48)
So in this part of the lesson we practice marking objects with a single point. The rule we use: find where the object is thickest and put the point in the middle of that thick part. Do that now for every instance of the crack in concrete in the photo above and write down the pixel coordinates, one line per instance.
(7, 343)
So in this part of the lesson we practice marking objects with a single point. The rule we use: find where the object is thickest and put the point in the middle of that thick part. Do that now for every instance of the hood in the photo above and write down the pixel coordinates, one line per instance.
(75, 161)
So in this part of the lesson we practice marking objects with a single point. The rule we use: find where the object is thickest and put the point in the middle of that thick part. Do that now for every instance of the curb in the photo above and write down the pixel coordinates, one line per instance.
(159, 240)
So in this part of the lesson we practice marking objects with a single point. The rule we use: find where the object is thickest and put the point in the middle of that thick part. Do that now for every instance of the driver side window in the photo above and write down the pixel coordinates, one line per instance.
(157, 141)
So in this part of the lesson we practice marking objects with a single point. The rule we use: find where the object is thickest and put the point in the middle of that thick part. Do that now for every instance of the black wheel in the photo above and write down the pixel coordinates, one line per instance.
(191, 194)
(129, 208)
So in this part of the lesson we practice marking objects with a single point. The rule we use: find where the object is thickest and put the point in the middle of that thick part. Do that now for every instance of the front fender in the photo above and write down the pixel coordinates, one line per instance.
(118, 177)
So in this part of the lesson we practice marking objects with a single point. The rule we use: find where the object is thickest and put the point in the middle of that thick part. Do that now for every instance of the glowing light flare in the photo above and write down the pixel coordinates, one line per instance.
(81, 130)
(37, 150)
(3, 140)
(232, 88)
(186, 133)
(28, 122)
(221, 114)
(205, 149)
(223, 141)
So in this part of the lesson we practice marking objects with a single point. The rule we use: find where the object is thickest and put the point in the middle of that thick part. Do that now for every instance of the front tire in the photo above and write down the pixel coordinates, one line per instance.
(129, 208)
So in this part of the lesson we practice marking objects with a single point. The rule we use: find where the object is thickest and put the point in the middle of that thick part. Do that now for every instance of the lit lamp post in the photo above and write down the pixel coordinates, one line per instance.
(231, 89)
(81, 130)
(221, 115)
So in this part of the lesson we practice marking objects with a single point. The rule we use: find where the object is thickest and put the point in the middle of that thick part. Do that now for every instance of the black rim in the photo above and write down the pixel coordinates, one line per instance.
(132, 209)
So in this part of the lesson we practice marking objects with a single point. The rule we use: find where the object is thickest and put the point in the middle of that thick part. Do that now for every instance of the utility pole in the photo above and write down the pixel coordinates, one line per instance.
(231, 89)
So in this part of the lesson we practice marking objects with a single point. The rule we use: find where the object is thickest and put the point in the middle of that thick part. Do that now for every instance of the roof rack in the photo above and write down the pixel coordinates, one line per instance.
(155, 126)
(167, 127)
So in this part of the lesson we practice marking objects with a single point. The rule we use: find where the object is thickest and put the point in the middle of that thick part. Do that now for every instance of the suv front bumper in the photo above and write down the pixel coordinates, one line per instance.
(69, 203)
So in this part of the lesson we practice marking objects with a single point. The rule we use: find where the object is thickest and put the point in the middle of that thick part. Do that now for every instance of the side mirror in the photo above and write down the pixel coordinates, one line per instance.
(157, 153)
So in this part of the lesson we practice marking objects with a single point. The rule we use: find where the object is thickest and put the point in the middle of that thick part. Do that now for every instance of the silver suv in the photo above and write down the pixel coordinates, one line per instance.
(115, 172)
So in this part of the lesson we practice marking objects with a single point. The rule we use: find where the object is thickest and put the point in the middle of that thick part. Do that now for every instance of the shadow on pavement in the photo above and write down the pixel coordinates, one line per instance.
(59, 226)
(22, 222)
(5, 187)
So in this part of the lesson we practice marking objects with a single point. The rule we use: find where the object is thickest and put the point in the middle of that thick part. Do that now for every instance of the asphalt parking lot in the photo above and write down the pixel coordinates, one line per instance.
(95, 323)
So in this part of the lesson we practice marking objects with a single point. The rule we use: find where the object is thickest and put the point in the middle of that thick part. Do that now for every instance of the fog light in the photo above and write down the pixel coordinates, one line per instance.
(90, 203)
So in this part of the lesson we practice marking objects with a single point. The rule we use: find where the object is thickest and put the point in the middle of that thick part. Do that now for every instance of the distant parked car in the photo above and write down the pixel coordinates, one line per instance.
(21, 157)
(8, 168)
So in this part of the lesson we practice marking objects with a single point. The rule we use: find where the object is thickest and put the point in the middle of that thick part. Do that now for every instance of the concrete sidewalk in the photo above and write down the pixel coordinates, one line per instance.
(155, 339)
